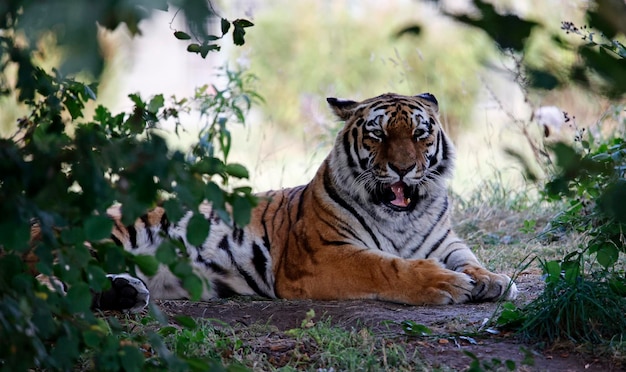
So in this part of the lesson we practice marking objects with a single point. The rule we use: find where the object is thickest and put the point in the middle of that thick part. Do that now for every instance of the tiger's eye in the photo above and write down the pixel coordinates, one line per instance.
(378, 133)
(418, 134)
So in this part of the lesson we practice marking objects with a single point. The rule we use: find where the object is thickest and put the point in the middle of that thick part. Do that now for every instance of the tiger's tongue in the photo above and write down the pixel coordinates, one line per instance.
(398, 191)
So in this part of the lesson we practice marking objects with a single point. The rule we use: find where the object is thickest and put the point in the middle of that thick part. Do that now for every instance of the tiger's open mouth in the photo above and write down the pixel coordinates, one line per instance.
(399, 196)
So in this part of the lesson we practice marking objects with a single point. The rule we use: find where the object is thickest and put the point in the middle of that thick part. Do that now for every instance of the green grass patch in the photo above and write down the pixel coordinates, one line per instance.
(578, 311)
(313, 347)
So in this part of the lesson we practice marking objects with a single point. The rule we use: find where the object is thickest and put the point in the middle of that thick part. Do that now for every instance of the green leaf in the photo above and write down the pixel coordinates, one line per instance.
(102, 115)
(79, 298)
(136, 98)
(553, 269)
(193, 48)
(147, 264)
(415, 329)
(612, 69)
(214, 194)
(242, 208)
(244, 190)
(181, 269)
(206, 48)
(209, 166)
(73, 236)
(136, 122)
(225, 26)
(113, 258)
(508, 31)
(197, 229)
(167, 330)
(96, 277)
(618, 285)
(186, 321)
(242, 23)
(612, 200)
(511, 315)
(607, 255)
(572, 272)
(131, 358)
(173, 210)
(200, 364)
(181, 35)
(238, 35)
(156, 103)
(236, 170)
(194, 286)
(542, 79)
(166, 253)
(92, 338)
(97, 228)
(74, 107)
(66, 348)
(510, 365)
(414, 30)
(15, 236)
(155, 314)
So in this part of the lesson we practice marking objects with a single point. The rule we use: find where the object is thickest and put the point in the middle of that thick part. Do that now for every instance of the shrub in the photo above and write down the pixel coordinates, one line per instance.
(61, 172)
(584, 297)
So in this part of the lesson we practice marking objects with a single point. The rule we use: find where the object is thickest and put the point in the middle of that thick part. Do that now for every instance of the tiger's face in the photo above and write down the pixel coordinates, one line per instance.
(394, 147)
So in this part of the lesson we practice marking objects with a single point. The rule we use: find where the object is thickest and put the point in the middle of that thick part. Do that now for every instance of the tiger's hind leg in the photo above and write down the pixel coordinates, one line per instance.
(127, 293)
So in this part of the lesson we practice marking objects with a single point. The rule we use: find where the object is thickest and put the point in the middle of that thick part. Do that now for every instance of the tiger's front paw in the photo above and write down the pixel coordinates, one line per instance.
(490, 286)
(127, 293)
(435, 285)
(456, 287)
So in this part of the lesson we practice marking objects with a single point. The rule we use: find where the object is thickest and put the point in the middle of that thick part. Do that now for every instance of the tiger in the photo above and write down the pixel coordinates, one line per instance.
(373, 223)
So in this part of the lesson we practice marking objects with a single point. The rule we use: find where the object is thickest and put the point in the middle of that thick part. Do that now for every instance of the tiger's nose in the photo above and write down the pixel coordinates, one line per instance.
(401, 171)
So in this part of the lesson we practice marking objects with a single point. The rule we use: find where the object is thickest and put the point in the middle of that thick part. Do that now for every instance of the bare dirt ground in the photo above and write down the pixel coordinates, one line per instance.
(444, 348)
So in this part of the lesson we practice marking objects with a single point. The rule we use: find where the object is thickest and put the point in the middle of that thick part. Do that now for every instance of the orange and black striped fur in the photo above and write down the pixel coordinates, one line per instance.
(372, 224)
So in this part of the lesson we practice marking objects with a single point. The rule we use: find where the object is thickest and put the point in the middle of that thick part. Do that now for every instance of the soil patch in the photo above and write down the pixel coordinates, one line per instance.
(456, 328)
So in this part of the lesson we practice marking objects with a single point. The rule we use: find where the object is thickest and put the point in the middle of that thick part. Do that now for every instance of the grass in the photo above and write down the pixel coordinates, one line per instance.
(512, 232)
(578, 311)
(505, 228)
(315, 346)
(581, 314)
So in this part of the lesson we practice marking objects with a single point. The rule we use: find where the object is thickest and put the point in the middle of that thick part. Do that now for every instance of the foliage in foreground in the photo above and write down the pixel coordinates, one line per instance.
(593, 180)
(66, 183)
(62, 171)
(585, 294)
(570, 309)
(584, 297)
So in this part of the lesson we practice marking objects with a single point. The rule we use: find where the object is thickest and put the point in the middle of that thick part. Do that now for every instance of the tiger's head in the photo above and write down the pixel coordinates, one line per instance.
(392, 150)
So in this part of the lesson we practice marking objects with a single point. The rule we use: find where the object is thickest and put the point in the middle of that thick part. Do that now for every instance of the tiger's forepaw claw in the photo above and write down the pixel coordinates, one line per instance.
(512, 291)
(491, 287)
(461, 288)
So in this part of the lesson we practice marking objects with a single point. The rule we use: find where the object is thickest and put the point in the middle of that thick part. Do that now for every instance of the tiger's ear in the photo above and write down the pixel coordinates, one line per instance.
(430, 98)
(342, 107)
